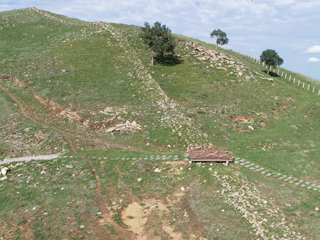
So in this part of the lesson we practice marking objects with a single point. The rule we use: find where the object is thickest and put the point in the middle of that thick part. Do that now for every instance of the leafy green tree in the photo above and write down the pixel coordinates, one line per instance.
(221, 37)
(271, 59)
(158, 38)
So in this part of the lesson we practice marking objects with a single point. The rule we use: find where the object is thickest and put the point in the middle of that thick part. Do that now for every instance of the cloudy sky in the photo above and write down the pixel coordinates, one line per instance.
(291, 27)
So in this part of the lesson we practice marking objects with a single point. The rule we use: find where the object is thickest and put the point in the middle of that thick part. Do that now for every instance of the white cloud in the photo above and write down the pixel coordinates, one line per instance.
(313, 49)
(313, 59)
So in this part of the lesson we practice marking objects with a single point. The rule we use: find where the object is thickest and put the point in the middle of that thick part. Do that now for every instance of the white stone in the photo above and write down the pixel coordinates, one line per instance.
(139, 179)
(4, 170)
(157, 170)
(317, 209)
(4, 178)
(251, 128)
(82, 226)
(111, 129)
(182, 189)
(69, 166)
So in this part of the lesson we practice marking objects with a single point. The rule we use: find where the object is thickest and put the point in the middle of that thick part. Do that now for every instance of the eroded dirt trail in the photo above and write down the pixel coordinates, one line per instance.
(100, 201)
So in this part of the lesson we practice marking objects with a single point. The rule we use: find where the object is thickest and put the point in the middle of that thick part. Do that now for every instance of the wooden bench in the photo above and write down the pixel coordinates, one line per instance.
(209, 153)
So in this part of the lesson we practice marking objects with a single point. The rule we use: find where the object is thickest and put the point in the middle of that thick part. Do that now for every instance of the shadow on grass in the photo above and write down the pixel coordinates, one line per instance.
(168, 60)
(272, 74)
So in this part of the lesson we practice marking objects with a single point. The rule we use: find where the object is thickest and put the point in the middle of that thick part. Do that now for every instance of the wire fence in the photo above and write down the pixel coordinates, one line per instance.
(282, 73)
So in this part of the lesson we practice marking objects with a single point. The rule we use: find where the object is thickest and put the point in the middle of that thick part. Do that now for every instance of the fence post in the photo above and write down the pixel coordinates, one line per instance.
(294, 80)
(313, 90)
(282, 74)
(308, 87)
(285, 76)
(289, 78)
(278, 71)
(298, 83)
(303, 85)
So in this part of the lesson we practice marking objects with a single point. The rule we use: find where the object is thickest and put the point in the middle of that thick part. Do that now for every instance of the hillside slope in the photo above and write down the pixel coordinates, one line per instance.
(87, 92)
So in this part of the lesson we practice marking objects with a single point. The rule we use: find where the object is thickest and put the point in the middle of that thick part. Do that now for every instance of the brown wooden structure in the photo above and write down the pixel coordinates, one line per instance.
(209, 153)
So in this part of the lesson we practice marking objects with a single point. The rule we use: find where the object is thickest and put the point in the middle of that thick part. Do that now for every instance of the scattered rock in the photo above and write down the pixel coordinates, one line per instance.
(112, 129)
(251, 128)
(182, 189)
(317, 209)
(82, 226)
(269, 79)
(139, 179)
(157, 170)
(222, 68)
(69, 166)
(125, 127)
(38, 165)
(202, 58)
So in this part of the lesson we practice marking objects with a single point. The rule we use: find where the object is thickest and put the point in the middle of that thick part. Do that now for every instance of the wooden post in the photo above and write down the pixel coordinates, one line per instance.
(308, 87)
(282, 74)
(313, 90)
(319, 92)
(285, 76)
(298, 83)
(303, 85)
(294, 80)
(289, 78)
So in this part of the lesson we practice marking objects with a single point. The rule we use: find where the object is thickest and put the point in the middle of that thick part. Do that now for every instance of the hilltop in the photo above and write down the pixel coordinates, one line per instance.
(119, 130)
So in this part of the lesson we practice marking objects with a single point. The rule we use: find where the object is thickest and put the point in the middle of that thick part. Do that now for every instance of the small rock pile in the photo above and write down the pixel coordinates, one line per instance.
(125, 127)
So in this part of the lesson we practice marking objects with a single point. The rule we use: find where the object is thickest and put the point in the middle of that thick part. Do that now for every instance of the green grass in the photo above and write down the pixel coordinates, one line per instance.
(85, 69)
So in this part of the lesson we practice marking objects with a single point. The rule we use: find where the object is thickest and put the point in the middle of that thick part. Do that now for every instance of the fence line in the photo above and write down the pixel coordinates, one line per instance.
(257, 60)
(286, 74)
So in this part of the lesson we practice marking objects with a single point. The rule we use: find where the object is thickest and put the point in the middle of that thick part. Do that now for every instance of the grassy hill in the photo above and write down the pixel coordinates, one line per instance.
(65, 84)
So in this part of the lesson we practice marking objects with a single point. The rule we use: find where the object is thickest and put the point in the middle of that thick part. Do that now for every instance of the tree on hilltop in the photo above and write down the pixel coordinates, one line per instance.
(221, 37)
(271, 59)
(158, 38)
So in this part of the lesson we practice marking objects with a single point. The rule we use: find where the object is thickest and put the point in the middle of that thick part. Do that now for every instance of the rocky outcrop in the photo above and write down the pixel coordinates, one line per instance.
(125, 127)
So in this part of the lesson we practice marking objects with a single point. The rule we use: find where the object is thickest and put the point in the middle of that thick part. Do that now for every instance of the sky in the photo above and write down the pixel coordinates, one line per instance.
(290, 27)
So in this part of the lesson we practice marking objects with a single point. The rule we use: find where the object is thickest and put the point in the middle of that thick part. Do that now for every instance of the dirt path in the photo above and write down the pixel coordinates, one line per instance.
(100, 202)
